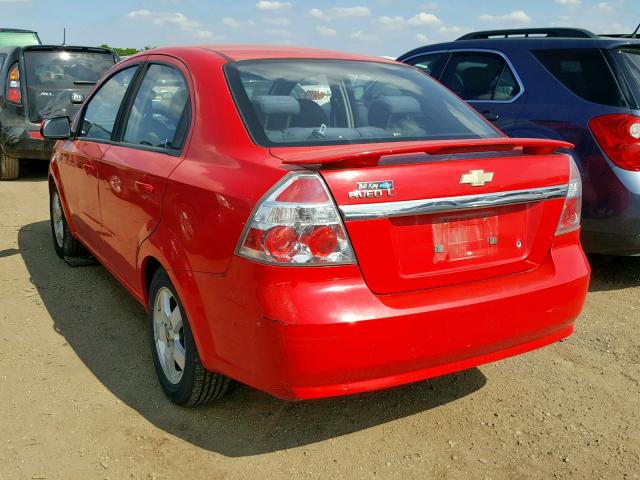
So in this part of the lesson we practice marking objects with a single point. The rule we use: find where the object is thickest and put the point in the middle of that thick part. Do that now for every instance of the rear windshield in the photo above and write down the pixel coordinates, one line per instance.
(585, 72)
(55, 77)
(329, 102)
(628, 61)
(62, 68)
(18, 39)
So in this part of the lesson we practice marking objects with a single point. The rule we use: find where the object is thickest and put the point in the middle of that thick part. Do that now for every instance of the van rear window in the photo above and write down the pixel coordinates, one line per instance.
(62, 68)
(585, 72)
(628, 62)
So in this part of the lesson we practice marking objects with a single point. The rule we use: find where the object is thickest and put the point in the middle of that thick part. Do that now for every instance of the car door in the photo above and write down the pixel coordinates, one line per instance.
(488, 81)
(134, 171)
(81, 155)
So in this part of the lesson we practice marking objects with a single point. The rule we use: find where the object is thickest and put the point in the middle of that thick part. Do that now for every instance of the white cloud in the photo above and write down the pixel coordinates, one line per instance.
(391, 23)
(230, 22)
(326, 31)
(568, 2)
(424, 19)
(348, 12)
(319, 14)
(360, 36)
(278, 32)
(277, 21)
(272, 5)
(422, 38)
(450, 29)
(515, 17)
(177, 19)
(605, 7)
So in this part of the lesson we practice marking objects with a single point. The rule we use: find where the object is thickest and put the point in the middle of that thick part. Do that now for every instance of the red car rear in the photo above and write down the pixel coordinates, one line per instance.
(314, 223)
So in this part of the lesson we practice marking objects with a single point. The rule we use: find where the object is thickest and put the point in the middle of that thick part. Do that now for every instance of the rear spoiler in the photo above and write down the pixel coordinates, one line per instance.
(359, 155)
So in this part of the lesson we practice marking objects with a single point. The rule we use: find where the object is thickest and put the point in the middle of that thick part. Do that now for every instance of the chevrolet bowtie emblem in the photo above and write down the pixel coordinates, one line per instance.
(476, 178)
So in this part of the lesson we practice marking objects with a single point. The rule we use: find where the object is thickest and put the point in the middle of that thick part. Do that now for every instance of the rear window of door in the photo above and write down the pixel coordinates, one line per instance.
(431, 63)
(585, 72)
(480, 76)
(102, 109)
(158, 114)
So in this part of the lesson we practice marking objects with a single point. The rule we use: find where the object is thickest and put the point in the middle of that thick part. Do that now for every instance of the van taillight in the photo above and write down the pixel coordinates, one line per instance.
(14, 95)
(619, 137)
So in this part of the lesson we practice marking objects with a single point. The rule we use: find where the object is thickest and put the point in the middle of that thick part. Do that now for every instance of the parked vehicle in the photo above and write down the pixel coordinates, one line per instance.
(13, 37)
(564, 84)
(312, 247)
(37, 82)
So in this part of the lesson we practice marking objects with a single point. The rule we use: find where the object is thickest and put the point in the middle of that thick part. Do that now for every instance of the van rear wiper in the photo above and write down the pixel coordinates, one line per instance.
(84, 82)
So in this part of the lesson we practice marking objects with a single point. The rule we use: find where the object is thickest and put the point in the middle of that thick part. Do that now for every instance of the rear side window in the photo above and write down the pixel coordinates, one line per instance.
(102, 109)
(480, 76)
(432, 63)
(585, 72)
(2, 57)
(158, 108)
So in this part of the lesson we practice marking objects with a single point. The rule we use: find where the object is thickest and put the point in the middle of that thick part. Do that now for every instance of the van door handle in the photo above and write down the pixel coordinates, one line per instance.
(144, 187)
(492, 117)
(89, 168)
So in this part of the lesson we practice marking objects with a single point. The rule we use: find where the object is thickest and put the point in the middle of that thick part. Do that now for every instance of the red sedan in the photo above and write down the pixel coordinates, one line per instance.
(314, 223)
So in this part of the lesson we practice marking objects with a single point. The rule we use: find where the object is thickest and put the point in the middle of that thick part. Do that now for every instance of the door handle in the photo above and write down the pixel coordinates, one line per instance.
(144, 187)
(89, 168)
(492, 117)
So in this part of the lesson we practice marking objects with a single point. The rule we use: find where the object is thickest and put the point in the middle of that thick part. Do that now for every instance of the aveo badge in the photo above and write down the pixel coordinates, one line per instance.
(379, 189)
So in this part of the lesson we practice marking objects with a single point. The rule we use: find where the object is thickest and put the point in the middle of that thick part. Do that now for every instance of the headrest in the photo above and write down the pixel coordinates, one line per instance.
(277, 104)
(398, 105)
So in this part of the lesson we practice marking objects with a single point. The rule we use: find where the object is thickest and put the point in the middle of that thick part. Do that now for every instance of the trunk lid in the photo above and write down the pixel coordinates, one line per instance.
(429, 214)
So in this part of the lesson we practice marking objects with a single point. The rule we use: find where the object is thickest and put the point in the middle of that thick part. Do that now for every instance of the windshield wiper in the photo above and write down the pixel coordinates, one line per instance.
(84, 82)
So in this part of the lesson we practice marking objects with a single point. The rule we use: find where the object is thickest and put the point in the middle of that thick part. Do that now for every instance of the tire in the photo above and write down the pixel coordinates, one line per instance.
(175, 355)
(9, 167)
(63, 242)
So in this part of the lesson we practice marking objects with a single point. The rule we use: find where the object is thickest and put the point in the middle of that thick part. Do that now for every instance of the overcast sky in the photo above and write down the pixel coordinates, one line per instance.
(380, 27)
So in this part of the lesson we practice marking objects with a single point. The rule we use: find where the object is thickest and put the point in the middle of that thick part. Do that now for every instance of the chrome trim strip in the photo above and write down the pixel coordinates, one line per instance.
(366, 211)
(481, 50)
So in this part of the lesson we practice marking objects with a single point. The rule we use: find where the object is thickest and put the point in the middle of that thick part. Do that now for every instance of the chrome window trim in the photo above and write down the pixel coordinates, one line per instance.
(480, 50)
(367, 211)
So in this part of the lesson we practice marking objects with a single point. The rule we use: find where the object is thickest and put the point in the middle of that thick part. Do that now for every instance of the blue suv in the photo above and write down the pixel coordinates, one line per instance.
(565, 84)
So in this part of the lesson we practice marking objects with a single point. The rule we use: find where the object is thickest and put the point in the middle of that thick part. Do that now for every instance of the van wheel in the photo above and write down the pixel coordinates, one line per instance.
(63, 243)
(175, 355)
(9, 167)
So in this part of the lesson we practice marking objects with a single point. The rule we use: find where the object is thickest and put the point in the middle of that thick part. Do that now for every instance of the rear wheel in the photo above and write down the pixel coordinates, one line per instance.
(9, 167)
(63, 243)
(175, 355)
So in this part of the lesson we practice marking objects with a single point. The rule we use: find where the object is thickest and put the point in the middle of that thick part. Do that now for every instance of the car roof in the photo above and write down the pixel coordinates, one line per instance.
(16, 30)
(240, 52)
(531, 43)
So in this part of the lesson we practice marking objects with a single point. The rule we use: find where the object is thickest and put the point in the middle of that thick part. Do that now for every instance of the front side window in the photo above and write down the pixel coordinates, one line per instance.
(432, 63)
(324, 102)
(157, 109)
(480, 76)
(585, 72)
(102, 109)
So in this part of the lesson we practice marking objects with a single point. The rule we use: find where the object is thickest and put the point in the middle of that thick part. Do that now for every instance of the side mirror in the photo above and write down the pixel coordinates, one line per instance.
(57, 128)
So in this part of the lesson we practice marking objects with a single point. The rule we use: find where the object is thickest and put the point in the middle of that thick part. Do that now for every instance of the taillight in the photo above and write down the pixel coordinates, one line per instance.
(297, 223)
(572, 210)
(14, 94)
(619, 137)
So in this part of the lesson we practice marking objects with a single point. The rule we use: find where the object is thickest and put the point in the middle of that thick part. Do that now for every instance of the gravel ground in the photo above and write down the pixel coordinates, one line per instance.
(79, 398)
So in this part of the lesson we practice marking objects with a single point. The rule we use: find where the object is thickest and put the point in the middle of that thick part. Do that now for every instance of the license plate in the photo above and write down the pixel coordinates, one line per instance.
(467, 237)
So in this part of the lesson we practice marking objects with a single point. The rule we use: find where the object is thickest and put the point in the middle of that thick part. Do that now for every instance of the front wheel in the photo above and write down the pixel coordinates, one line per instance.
(175, 355)
(63, 242)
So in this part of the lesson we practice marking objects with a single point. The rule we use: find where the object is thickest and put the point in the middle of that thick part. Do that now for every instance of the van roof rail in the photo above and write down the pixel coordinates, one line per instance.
(528, 32)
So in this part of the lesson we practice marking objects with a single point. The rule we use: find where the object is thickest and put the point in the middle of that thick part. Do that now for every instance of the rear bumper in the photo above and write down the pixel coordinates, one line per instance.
(17, 143)
(326, 334)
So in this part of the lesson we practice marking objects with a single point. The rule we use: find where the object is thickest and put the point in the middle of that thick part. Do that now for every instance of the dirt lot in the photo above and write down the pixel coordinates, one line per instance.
(79, 399)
